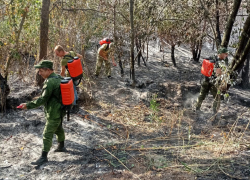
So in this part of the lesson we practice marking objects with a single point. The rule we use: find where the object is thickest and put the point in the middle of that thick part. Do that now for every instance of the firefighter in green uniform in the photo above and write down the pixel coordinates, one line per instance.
(208, 83)
(103, 54)
(66, 56)
(51, 99)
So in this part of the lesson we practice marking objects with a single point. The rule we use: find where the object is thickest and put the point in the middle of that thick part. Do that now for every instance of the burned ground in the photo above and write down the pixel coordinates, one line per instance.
(121, 132)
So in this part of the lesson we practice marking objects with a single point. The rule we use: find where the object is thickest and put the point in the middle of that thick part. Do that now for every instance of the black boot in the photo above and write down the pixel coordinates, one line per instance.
(42, 159)
(60, 147)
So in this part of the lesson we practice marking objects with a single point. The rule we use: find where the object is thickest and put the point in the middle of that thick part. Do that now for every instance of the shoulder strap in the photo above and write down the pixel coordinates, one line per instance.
(57, 77)
(106, 47)
(69, 55)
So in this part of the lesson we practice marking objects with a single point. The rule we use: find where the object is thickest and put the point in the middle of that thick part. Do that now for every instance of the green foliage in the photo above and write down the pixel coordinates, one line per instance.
(154, 107)
(18, 38)
(153, 103)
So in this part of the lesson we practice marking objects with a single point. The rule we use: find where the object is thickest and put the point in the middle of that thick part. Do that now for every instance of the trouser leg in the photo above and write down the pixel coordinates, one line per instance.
(99, 62)
(203, 93)
(60, 135)
(75, 95)
(107, 68)
(217, 97)
(53, 126)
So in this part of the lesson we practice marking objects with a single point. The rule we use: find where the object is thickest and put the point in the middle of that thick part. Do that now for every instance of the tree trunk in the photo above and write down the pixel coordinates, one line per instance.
(147, 48)
(172, 55)
(4, 92)
(137, 44)
(230, 23)
(199, 50)
(44, 30)
(238, 62)
(196, 50)
(218, 35)
(132, 61)
(245, 74)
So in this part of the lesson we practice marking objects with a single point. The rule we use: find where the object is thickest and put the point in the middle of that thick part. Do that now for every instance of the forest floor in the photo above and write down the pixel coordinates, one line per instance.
(146, 132)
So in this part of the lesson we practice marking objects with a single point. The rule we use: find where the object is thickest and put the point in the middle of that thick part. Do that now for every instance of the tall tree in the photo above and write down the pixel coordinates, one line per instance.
(230, 22)
(132, 38)
(44, 30)
(243, 47)
(14, 51)
(245, 74)
(218, 35)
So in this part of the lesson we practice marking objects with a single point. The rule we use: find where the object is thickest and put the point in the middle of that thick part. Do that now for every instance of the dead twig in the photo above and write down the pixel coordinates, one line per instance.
(164, 148)
(3, 167)
(245, 129)
(234, 177)
(231, 130)
(119, 161)
(158, 139)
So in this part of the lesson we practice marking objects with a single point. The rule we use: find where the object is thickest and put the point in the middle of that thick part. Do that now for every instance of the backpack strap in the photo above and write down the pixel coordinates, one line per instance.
(69, 55)
(106, 47)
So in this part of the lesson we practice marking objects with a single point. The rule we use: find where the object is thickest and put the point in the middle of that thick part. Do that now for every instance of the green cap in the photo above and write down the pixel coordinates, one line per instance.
(45, 64)
(222, 50)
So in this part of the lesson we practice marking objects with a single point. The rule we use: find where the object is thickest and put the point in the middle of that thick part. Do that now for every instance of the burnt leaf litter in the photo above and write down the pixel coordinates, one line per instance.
(149, 131)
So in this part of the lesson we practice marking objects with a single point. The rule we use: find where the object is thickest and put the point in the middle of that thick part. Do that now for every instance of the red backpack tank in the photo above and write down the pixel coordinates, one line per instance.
(105, 41)
(75, 68)
(207, 68)
(67, 91)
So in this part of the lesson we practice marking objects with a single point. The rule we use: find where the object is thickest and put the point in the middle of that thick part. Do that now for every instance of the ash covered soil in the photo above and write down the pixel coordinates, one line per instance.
(120, 132)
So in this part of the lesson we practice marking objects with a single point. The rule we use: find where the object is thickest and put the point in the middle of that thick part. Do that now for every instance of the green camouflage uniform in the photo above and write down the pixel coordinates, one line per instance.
(208, 85)
(100, 60)
(51, 99)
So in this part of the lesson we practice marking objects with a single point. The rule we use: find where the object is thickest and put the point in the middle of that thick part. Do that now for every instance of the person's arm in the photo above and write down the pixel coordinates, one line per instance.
(45, 96)
(218, 72)
(113, 60)
(23, 105)
(79, 55)
(63, 69)
(217, 68)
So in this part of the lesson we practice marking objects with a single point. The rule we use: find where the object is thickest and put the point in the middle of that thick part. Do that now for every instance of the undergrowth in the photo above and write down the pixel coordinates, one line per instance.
(166, 139)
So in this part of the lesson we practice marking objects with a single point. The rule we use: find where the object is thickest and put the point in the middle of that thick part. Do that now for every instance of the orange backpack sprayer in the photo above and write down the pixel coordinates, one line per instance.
(105, 41)
(207, 67)
(67, 92)
(74, 67)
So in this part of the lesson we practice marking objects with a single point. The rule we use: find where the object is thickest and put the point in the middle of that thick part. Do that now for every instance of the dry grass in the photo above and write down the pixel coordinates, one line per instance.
(164, 139)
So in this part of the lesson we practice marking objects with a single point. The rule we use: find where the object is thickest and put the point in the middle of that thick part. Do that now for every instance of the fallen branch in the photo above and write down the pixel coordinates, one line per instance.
(2, 167)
